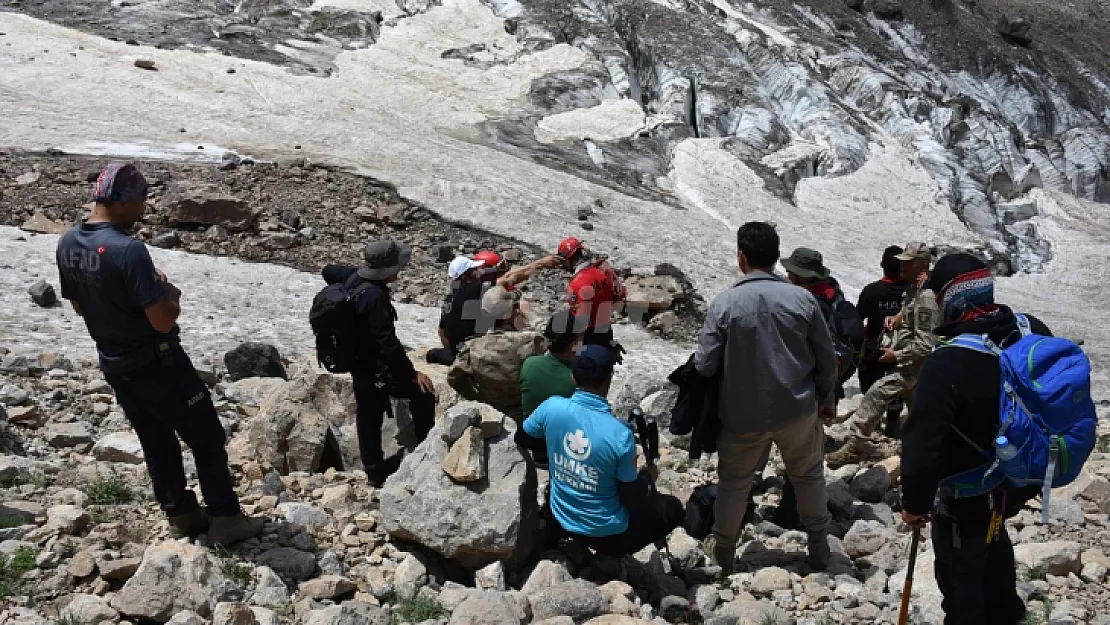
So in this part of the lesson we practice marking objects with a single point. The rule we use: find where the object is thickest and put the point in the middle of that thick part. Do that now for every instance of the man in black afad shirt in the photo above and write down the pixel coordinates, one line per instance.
(959, 388)
(383, 369)
(877, 301)
(131, 311)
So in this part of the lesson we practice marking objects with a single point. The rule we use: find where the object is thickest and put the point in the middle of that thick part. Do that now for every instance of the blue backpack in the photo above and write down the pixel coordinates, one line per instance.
(1046, 412)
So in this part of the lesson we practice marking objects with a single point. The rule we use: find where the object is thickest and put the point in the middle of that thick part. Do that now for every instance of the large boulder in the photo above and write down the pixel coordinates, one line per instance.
(476, 523)
(191, 202)
(172, 578)
(306, 417)
(90, 610)
(254, 360)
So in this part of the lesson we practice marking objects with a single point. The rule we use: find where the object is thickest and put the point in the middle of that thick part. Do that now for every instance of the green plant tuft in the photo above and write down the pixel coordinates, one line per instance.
(13, 568)
(109, 489)
(1035, 573)
(416, 610)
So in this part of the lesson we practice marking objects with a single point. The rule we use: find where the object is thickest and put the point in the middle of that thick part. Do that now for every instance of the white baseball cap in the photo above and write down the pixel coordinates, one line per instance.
(461, 265)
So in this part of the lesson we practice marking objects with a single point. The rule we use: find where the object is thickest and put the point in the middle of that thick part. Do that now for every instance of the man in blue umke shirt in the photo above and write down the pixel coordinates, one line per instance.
(131, 311)
(597, 496)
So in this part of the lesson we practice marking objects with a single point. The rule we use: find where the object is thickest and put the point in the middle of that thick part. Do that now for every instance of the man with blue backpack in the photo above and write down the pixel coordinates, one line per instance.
(1002, 412)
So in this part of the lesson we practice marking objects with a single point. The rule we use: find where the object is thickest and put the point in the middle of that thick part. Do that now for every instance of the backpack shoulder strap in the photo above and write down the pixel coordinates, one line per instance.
(1023, 324)
(974, 342)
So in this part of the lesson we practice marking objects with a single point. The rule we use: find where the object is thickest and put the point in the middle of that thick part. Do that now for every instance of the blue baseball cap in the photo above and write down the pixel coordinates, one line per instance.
(593, 363)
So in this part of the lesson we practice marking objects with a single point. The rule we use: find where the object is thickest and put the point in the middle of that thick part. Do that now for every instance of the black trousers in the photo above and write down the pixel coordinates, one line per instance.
(649, 521)
(978, 580)
(163, 401)
(440, 356)
(372, 403)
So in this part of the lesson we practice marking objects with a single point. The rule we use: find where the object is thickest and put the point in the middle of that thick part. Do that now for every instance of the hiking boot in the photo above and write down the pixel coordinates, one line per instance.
(377, 474)
(819, 550)
(189, 525)
(723, 556)
(854, 451)
(228, 530)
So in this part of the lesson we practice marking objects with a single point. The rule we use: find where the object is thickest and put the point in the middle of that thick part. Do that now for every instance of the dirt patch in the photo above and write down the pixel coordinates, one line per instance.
(307, 215)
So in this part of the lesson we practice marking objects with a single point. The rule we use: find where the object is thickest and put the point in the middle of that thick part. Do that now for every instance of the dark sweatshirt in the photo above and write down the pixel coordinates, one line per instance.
(957, 387)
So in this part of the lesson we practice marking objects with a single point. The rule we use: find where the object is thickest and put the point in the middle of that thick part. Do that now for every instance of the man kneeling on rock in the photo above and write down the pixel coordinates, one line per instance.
(131, 311)
(597, 496)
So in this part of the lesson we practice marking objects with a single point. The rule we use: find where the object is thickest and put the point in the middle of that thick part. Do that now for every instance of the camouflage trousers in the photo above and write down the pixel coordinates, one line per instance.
(897, 383)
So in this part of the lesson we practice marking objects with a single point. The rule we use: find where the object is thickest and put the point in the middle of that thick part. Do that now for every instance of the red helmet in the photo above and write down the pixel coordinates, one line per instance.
(491, 259)
(569, 247)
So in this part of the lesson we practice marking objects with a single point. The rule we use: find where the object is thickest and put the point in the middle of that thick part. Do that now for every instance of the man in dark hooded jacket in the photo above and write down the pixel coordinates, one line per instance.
(959, 388)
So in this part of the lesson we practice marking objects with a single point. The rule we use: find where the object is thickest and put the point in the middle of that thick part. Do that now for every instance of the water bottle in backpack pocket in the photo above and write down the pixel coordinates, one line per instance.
(1047, 420)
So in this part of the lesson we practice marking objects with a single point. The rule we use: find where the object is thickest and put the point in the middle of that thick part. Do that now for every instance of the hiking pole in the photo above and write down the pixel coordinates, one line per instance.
(907, 586)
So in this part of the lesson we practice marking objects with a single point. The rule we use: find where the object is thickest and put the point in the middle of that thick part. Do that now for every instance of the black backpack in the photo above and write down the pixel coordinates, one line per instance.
(846, 329)
(333, 321)
(699, 512)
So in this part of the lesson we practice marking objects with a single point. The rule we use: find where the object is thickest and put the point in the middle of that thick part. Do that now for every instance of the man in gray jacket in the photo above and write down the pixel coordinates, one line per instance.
(772, 346)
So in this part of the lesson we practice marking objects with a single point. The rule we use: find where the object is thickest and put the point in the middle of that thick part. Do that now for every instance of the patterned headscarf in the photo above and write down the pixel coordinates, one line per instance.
(964, 287)
(120, 182)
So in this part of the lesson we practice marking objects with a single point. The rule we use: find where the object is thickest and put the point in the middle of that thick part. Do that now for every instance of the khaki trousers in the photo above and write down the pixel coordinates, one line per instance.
(897, 383)
(739, 455)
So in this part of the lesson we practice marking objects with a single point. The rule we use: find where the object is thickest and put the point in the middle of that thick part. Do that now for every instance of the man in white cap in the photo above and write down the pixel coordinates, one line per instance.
(461, 316)
(383, 369)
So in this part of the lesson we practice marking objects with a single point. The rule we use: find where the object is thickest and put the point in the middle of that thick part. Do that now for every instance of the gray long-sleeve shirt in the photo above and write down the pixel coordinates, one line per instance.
(772, 343)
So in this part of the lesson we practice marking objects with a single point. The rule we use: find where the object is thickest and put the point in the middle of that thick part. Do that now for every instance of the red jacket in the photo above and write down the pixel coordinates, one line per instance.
(596, 290)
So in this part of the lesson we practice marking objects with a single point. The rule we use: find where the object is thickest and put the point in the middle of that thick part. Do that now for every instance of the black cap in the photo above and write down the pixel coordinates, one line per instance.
(593, 364)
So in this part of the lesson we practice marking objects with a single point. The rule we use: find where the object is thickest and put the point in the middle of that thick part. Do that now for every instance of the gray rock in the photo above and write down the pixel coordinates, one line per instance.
(865, 538)
(331, 563)
(42, 294)
(348, 613)
(326, 587)
(578, 599)
(146, 64)
(1058, 557)
(119, 447)
(685, 549)
(871, 485)
(705, 598)
(251, 391)
(466, 460)
(264, 616)
(291, 219)
(61, 435)
(191, 202)
(269, 590)
(83, 564)
(119, 570)
(12, 395)
(1015, 28)
(673, 608)
(477, 523)
(89, 610)
(290, 563)
(752, 612)
(457, 419)
(1093, 573)
(254, 360)
(303, 514)
(21, 512)
(13, 468)
(488, 608)
(545, 575)
(166, 240)
(187, 617)
(68, 519)
(769, 579)
(173, 577)
(410, 575)
(232, 613)
(491, 577)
